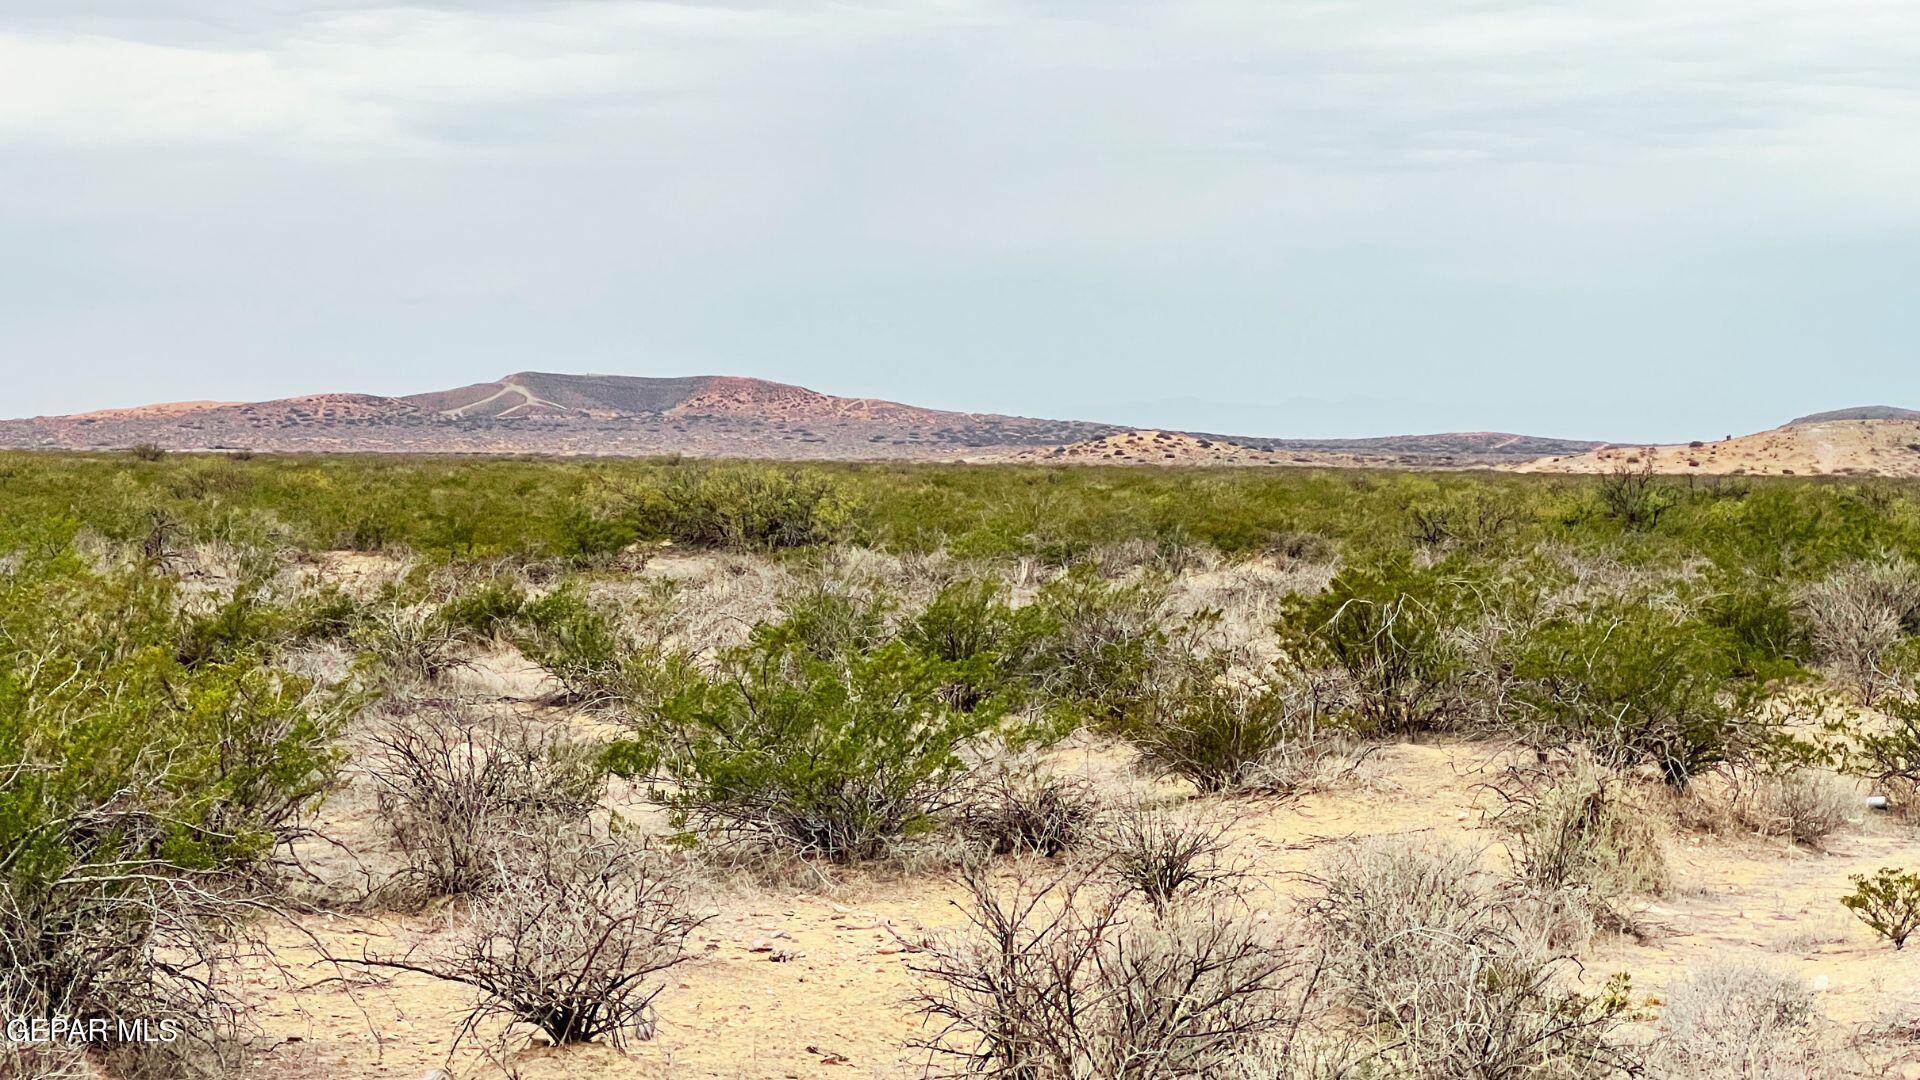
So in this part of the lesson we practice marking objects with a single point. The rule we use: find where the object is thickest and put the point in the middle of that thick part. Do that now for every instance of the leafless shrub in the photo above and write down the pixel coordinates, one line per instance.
(1858, 616)
(38, 1061)
(572, 941)
(1064, 982)
(1740, 1021)
(133, 941)
(1427, 946)
(1013, 806)
(1164, 855)
(454, 787)
(1584, 827)
(1805, 805)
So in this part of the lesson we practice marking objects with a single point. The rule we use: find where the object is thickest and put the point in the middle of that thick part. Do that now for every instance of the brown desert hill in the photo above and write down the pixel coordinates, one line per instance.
(1871, 441)
(711, 416)
(1858, 412)
(1149, 446)
(540, 412)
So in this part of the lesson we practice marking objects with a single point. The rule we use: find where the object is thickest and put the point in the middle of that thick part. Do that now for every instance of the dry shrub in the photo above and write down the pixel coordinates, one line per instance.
(1739, 1021)
(1164, 855)
(1805, 805)
(1429, 949)
(573, 939)
(407, 644)
(454, 787)
(1586, 828)
(1169, 556)
(1859, 615)
(1014, 806)
(1062, 981)
(38, 1061)
(1248, 595)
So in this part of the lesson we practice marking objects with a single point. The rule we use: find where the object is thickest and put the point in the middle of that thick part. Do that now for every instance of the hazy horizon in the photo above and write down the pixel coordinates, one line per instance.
(1633, 221)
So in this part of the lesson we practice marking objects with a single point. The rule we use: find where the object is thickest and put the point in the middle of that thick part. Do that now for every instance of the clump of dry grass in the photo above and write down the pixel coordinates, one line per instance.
(1805, 805)
(1739, 1021)
(1584, 828)
(1429, 950)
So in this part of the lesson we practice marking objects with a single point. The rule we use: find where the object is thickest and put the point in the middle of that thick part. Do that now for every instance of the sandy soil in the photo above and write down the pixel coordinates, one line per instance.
(840, 1006)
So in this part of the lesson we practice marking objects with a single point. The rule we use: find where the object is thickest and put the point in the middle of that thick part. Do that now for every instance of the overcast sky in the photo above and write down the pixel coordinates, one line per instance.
(1630, 219)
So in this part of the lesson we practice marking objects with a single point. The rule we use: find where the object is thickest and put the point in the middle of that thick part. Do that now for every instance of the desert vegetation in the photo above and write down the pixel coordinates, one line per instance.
(660, 768)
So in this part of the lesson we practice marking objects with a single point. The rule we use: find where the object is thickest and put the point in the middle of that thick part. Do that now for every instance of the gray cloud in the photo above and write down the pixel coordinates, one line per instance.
(1037, 207)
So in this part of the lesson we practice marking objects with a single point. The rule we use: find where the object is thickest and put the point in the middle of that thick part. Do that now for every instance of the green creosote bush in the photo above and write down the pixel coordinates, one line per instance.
(1385, 628)
(831, 615)
(1888, 902)
(324, 613)
(1098, 644)
(580, 644)
(1769, 639)
(1635, 497)
(140, 793)
(1207, 723)
(1641, 687)
(746, 507)
(1890, 754)
(585, 536)
(991, 643)
(486, 611)
(834, 757)
(246, 621)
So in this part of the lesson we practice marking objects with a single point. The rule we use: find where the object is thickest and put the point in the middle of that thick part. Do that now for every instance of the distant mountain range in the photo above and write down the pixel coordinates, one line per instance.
(709, 416)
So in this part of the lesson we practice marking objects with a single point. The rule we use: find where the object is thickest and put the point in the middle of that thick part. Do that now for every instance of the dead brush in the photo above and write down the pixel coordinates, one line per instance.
(1805, 805)
(1013, 806)
(1163, 855)
(1438, 956)
(1858, 618)
(1064, 981)
(573, 941)
(453, 787)
(1582, 827)
(1739, 1021)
